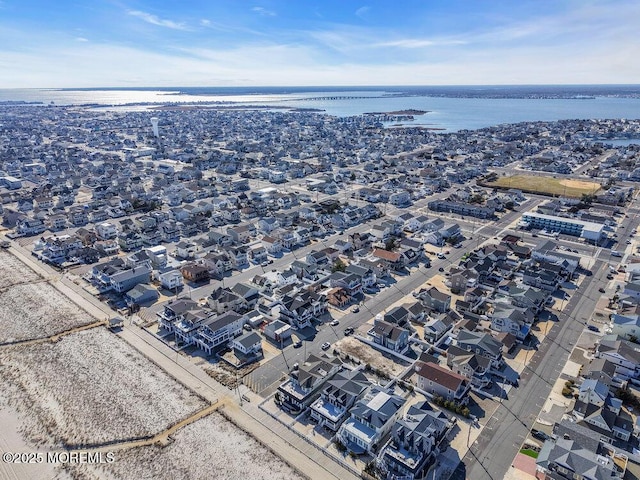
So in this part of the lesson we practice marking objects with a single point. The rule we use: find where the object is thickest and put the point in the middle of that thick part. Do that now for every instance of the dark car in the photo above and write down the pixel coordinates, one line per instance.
(593, 328)
(441, 269)
(539, 435)
(601, 290)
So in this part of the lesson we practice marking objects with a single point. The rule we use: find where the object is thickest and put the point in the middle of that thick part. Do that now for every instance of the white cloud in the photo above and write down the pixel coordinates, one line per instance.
(154, 20)
(362, 11)
(263, 11)
(81, 39)
(419, 43)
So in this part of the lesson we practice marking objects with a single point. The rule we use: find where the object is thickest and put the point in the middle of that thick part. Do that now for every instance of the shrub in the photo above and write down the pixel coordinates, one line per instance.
(566, 391)
(340, 446)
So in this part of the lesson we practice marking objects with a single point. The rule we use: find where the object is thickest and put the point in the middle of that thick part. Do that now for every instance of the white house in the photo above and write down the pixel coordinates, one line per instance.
(106, 231)
(171, 279)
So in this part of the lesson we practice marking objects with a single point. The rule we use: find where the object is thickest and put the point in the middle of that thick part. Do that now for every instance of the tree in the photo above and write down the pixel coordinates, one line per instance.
(390, 244)
(587, 198)
(338, 266)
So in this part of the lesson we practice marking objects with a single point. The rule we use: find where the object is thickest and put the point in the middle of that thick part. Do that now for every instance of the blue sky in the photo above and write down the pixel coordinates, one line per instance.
(323, 42)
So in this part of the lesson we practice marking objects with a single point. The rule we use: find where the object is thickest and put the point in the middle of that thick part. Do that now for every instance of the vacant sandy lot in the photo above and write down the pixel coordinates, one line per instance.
(13, 271)
(367, 354)
(89, 388)
(211, 448)
(37, 310)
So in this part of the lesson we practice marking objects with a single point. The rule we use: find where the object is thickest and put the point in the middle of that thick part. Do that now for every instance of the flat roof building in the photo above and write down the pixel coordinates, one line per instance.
(569, 226)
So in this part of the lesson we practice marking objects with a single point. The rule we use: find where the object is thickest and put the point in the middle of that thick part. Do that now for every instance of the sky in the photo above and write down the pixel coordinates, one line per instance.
(138, 43)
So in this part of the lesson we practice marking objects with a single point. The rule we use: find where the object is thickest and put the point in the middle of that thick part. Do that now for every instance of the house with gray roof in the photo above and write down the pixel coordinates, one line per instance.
(338, 396)
(389, 336)
(471, 365)
(218, 330)
(435, 299)
(482, 344)
(247, 345)
(305, 381)
(562, 458)
(174, 311)
(370, 420)
(416, 441)
(624, 354)
(127, 279)
(141, 294)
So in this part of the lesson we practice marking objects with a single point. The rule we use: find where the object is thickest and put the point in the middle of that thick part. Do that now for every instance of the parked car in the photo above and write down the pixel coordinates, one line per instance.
(348, 331)
(297, 344)
(355, 309)
(247, 327)
(539, 435)
(334, 323)
(440, 256)
(325, 346)
(593, 328)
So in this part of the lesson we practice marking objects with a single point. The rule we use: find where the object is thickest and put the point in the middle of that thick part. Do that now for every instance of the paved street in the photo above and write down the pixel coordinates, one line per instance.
(266, 378)
(491, 456)
(269, 431)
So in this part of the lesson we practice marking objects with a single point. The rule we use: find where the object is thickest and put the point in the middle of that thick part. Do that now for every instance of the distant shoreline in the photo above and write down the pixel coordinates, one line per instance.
(409, 111)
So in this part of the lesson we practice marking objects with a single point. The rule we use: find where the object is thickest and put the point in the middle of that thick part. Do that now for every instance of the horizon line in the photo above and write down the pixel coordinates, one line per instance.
(121, 87)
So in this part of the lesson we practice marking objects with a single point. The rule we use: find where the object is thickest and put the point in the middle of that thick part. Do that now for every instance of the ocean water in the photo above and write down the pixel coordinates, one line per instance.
(448, 108)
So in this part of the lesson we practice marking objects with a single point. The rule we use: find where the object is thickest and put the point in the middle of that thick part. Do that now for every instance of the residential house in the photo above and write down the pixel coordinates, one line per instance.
(171, 279)
(367, 275)
(272, 245)
(389, 336)
(392, 260)
(470, 365)
(482, 344)
(436, 300)
(193, 272)
(219, 330)
(141, 294)
(437, 380)
(370, 420)
(565, 458)
(223, 300)
(127, 279)
(304, 382)
(338, 396)
(277, 331)
(415, 443)
(106, 231)
(624, 354)
(626, 322)
(247, 345)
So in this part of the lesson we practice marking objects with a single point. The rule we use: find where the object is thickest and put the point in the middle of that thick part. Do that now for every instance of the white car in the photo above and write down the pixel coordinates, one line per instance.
(334, 323)
(325, 346)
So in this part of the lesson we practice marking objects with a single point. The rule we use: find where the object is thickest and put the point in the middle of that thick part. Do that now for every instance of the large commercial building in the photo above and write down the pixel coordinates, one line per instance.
(570, 226)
